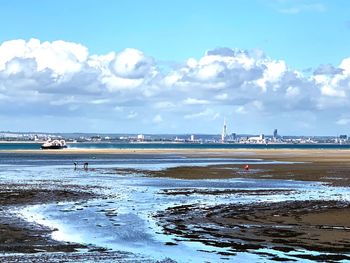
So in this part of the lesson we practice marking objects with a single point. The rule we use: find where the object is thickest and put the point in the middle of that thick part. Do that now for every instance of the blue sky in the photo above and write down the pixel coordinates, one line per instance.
(307, 36)
(304, 33)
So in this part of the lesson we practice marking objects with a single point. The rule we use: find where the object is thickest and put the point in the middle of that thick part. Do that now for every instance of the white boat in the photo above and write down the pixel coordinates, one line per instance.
(54, 144)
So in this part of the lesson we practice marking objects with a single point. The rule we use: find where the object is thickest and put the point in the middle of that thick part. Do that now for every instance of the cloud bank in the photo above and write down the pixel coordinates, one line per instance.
(60, 86)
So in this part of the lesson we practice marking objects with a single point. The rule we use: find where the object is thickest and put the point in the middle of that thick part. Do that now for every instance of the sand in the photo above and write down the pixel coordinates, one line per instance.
(289, 226)
(330, 166)
(20, 236)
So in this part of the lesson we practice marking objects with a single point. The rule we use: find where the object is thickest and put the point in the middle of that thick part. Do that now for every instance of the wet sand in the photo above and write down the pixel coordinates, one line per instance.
(326, 172)
(22, 241)
(318, 225)
(330, 166)
(290, 226)
(20, 236)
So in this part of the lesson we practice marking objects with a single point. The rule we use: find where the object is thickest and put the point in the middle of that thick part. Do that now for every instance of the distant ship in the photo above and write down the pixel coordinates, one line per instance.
(54, 144)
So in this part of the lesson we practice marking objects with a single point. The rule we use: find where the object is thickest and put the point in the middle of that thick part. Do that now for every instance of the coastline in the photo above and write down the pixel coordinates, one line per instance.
(330, 156)
(176, 150)
(325, 166)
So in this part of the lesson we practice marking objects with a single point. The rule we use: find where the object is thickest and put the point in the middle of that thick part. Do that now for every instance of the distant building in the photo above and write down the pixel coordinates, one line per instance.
(192, 138)
(224, 132)
(141, 137)
(179, 139)
(96, 138)
(234, 136)
(259, 139)
(275, 134)
(343, 137)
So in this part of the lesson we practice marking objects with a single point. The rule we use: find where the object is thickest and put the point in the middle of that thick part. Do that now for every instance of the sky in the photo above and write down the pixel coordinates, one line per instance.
(175, 66)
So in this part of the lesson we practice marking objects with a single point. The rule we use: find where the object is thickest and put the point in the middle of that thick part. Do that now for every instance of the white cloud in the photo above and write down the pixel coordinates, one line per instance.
(253, 106)
(100, 101)
(207, 113)
(259, 105)
(118, 109)
(332, 92)
(345, 121)
(63, 101)
(241, 110)
(101, 62)
(209, 71)
(115, 83)
(132, 64)
(164, 105)
(61, 78)
(157, 119)
(132, 115)
(295, 7)
(345, 65)
(273, 73)
(292, 91)
(222, 96)
(191, 63)
(59, 56)
(194, 101)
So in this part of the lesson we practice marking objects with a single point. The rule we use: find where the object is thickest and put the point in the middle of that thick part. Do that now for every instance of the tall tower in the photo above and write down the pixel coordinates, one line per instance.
(224, 131)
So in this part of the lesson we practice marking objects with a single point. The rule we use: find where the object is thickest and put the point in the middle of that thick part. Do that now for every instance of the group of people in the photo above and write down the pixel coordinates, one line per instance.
(85, 166)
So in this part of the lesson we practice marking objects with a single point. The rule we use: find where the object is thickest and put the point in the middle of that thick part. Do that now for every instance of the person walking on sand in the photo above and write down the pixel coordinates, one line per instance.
(75, 165)
(86, 165)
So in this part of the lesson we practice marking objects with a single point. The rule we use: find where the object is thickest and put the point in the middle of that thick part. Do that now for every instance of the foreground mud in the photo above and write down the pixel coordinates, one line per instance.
(91, 256)
(19, 236)
(297, 228)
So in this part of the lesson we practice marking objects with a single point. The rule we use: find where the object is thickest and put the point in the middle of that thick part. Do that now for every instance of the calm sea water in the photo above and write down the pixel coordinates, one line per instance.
(34, 146)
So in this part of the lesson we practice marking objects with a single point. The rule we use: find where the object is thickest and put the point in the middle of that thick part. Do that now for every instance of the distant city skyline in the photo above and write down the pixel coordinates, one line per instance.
(174, 67)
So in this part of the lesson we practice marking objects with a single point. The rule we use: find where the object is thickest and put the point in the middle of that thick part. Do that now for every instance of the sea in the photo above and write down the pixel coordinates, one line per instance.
(112, 145)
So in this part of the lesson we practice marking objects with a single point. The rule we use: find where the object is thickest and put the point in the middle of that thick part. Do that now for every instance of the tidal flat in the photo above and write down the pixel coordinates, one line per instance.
(175, 206)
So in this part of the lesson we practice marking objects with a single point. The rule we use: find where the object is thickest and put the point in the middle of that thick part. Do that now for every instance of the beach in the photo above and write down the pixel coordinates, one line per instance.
(329, 166)
(289, 204)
